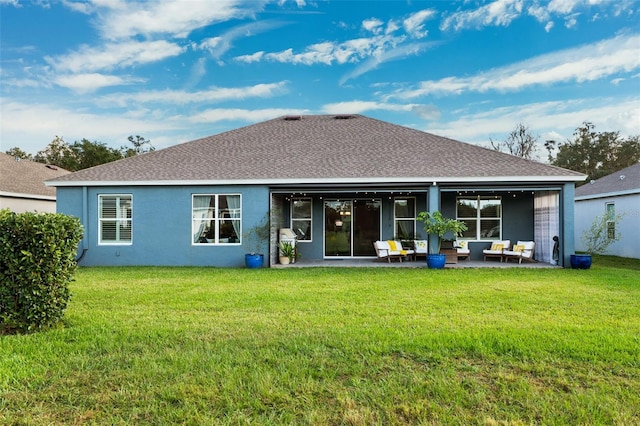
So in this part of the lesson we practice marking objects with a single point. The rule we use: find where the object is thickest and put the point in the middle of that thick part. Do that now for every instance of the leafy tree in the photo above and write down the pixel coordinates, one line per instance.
(89, 154)
(16, 152)
(597, 154)
(140, 146)
(57, 153)
(520, 143)
(84, 154)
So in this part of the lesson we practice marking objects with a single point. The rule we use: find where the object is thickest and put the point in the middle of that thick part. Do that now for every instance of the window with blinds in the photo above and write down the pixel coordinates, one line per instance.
(115, 218)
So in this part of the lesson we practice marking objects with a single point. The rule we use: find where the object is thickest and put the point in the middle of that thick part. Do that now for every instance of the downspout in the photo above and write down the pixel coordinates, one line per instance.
(567, 248)
(85, 223)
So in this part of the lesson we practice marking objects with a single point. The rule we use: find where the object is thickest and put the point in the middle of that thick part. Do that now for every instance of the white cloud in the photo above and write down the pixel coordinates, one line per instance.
(228, 114)
(198, 71)
(359, 107)
(85, 83)
(114, 55)
(504, 12)
(414, 24)
(497, 13)
(79, 6)
(373, 25)
(122, 20)
(429, 112)
(563, 6)
(375, 50)
(545, 118)
(32, 126)
(585, 63)
(254, 57)
(571, 21)
(220, 45)
(387, 56)
(181, 97)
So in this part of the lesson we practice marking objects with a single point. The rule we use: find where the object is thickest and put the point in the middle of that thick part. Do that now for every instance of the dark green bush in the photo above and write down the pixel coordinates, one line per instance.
(37, 262)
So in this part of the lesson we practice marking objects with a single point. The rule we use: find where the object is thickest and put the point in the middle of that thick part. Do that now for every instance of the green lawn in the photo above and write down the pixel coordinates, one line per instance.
(324, 346)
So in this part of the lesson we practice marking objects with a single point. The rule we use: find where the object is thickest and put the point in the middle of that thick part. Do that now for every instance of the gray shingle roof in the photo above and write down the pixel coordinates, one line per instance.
(317, 148)
(27, 177)
(625, 180)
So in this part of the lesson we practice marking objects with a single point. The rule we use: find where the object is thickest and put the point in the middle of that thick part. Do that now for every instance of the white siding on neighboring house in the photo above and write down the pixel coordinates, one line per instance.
(628, 228)
(21, 205)
(621, 190)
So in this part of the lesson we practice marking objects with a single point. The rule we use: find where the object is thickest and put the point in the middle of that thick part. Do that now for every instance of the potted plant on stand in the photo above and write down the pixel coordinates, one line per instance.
(596, 239)
(287, 252)
(255, 239)
(438, 225)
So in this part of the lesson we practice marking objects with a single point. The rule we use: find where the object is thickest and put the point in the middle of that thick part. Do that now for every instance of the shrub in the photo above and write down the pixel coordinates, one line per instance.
(602, 233)
(37, 262)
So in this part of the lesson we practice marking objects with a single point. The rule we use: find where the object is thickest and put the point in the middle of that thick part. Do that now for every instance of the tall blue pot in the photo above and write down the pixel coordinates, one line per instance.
(436, 261)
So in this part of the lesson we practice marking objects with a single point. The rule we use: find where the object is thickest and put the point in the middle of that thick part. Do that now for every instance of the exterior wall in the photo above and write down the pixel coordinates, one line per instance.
(628, 228)
(162, 223)
(21, 205)
(162, 226)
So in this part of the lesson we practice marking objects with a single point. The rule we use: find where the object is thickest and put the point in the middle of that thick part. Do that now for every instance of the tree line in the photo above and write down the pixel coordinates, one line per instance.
(596, 154)
(593, 153)
(84, 154)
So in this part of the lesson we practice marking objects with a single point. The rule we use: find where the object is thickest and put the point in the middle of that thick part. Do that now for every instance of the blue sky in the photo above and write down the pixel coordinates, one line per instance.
(173, 71)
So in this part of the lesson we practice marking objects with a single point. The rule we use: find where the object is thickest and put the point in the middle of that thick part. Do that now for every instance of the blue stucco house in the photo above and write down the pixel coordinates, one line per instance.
(339, 181)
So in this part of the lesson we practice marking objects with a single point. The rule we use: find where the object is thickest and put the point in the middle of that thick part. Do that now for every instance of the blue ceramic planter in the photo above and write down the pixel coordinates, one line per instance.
(581, 261)
(253, 261)
(436, 261)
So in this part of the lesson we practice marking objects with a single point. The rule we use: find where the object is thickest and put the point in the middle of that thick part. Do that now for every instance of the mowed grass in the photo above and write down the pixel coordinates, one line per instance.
(320, 346)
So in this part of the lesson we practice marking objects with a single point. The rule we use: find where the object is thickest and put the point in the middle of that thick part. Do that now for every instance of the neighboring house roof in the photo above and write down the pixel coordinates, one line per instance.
(319, 149)
(25, 179)
(623, 182)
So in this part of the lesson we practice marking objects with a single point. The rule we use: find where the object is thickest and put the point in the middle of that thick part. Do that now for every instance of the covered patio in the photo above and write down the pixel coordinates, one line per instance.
(372, 263)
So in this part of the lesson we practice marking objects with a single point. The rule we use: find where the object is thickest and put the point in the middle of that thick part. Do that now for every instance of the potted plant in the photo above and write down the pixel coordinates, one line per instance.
(438, 225)
(254, 239)
(287, 252)
(596, 239)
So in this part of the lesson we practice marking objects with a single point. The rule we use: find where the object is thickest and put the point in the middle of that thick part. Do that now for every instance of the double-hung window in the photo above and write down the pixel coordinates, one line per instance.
(115, 218)
(483, 217)
(216, 219)
(301, 218)
(405, 218)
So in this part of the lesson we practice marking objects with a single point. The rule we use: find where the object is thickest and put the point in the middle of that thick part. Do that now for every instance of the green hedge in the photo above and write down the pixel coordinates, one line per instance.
(37, 262)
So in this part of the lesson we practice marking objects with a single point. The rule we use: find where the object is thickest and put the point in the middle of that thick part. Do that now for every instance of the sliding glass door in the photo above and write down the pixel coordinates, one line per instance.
(351, 226)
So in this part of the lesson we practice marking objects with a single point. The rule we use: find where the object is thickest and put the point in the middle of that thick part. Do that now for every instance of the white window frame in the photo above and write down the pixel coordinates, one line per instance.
(120, 218)
(197, 222)
(310, 218)
(479, 217)
(397, 219)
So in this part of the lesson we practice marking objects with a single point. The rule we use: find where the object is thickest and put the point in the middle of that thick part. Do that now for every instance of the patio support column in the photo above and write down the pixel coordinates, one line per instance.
(567, 224)
(434, 205)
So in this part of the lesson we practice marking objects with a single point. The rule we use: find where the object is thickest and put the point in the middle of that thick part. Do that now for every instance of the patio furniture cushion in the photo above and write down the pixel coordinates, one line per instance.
(462, 246)
(497, 249)
(391, 250)
(523, 250)
(421, 248)
(396, 246)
